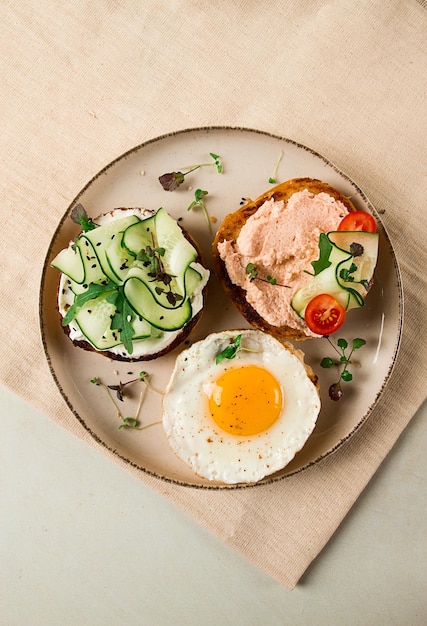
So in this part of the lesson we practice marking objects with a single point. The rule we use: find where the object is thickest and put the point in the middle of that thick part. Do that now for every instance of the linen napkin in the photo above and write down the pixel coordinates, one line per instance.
(81, 84)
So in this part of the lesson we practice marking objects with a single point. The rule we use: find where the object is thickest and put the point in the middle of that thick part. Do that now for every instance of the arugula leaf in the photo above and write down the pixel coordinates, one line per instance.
(122, 320)
(93, 291)
(325, 248)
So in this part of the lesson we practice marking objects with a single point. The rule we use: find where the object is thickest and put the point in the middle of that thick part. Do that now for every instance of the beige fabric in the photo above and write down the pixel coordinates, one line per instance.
(83, 82)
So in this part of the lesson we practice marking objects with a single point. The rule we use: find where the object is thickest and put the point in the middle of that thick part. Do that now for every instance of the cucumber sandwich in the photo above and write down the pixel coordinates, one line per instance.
(132, 284)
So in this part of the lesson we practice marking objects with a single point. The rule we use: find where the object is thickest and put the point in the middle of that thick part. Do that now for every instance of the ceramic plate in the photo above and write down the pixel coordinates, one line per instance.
(249, 158)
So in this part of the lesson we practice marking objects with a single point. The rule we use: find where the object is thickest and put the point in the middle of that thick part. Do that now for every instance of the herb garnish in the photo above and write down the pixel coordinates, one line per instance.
(172, 180)
(93, 291)
(152, 257)
(252, 270)
(273, 177)
(128, 422)
(347, 275)
(79, 216)
(325, 248)
(232, 349)
(335, 390)
(198, 201)
(123, 318)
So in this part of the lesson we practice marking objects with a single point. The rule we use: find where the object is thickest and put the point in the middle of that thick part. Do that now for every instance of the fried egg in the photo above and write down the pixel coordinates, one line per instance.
(245, 417)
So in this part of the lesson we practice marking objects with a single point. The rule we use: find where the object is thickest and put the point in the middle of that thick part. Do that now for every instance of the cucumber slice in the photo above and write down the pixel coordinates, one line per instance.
(192, 280)
(325, 282)
(162, 232)
(69, 261)
(92, 269)
(94, 319)
(118, 258)
(140, 235)
(144, 304)
(364, 262)
(102, 237)
(343, 239)
(348, 276)
(142, 329)
(179, 252)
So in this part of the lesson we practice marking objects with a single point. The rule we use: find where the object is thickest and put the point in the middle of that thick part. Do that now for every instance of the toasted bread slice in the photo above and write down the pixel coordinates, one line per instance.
(176, 337)
(229, 231)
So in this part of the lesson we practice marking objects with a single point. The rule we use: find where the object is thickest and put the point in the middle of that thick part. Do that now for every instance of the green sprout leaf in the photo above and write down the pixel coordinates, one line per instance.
(172, 180)
(128, 422)
(335, 390)
(232, 349)
(93, 291)
(358, 343)
(217, 161)
(273, 178)
(198, 201)
(252, 271)
(79, 216)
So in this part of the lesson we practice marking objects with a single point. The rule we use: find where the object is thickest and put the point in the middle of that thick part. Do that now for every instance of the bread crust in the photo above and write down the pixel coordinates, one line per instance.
(230, 230)
(181, 336)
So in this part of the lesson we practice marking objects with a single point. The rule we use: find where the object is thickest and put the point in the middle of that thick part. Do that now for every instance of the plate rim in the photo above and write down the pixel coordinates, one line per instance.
(269, 479)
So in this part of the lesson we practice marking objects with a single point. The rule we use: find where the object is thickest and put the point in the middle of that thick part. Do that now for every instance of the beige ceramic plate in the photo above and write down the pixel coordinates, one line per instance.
(249, 157)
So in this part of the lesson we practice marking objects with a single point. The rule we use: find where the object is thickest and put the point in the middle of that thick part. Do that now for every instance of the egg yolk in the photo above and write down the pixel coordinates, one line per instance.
(246, 400)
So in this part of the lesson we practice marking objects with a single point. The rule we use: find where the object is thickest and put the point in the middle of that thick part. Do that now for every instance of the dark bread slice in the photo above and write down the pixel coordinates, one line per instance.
(230, 229)
(181, 336)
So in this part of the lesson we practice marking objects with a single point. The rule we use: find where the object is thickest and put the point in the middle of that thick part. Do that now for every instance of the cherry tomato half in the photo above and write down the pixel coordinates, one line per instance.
(358, 220)
(324, 315)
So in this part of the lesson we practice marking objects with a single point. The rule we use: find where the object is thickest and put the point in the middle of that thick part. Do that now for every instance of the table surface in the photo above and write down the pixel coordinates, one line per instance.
(85, 543)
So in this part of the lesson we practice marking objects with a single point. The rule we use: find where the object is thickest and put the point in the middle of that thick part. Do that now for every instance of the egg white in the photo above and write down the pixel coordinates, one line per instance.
(215, 454)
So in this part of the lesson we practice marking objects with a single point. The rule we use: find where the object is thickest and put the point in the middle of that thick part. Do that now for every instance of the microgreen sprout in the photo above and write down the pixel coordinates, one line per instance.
(198, 201)
(232, 349)
(273, 177)
(119, 389)
(252, 271)
(79, 216)
(335, 390)
(172, 180)
(151, 257)
(217, 162)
